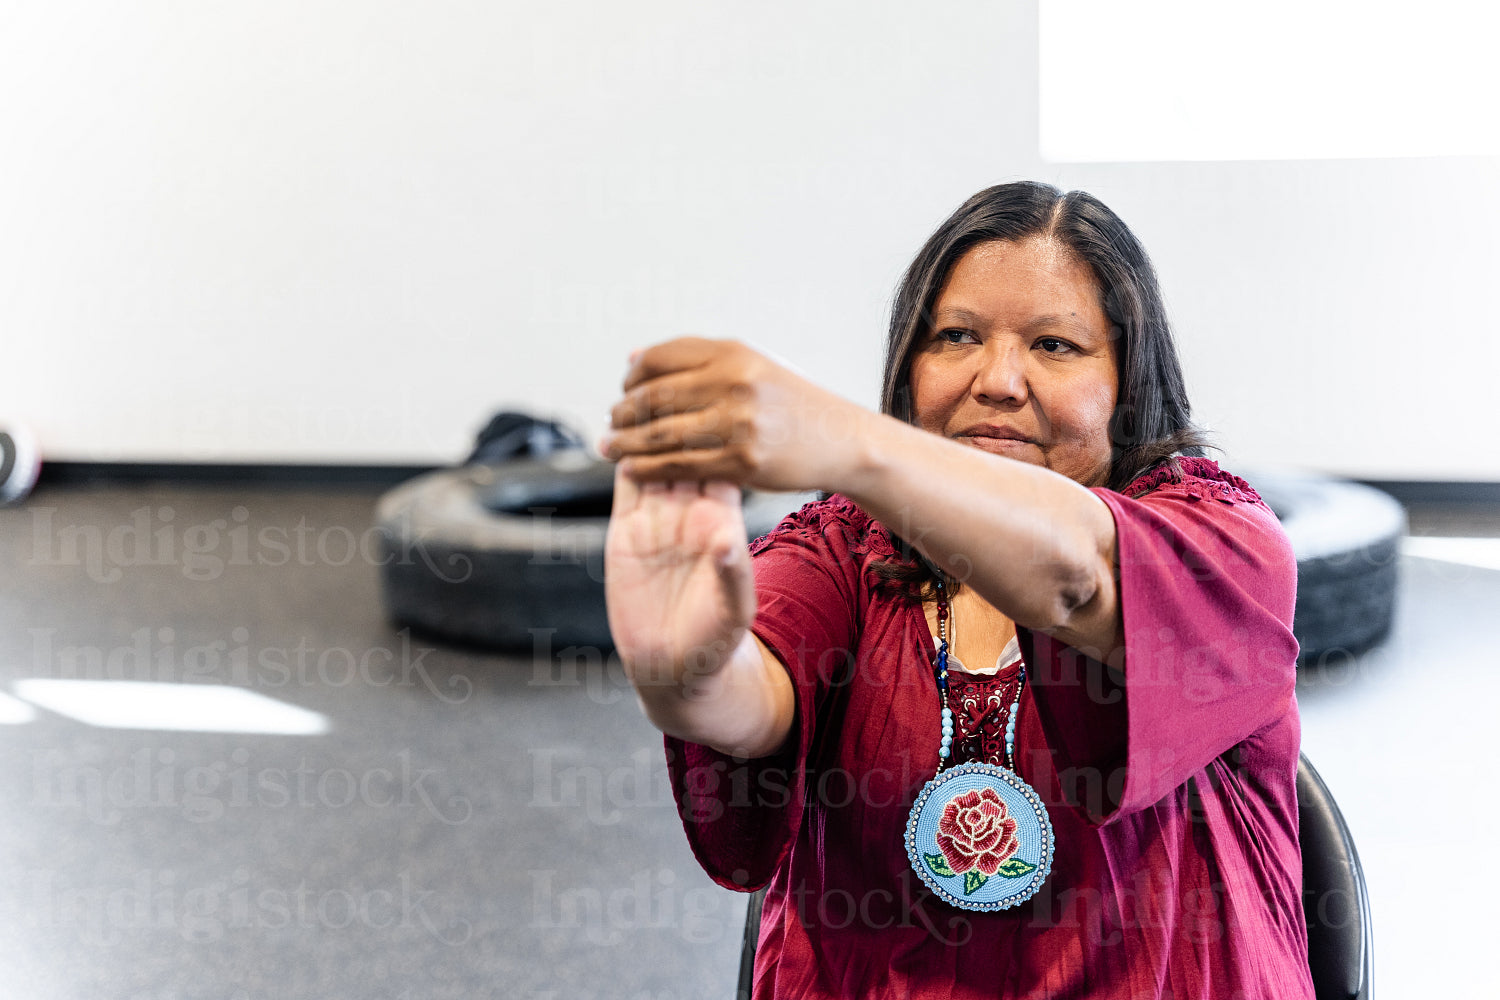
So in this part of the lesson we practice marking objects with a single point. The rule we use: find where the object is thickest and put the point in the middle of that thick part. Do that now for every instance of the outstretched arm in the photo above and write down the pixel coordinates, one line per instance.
(1036, 545)
(1031, 542)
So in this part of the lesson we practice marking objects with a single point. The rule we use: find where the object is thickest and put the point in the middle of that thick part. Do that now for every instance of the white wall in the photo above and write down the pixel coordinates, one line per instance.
(348, 231)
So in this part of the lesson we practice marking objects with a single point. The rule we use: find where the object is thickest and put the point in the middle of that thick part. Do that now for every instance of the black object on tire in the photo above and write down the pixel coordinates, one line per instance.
(1347, 539)
(511, 435)
(511, 554)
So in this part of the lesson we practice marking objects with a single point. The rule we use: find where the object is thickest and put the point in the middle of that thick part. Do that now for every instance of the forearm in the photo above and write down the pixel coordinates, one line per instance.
(1032, 542)
(1036, 545)
(740, 704)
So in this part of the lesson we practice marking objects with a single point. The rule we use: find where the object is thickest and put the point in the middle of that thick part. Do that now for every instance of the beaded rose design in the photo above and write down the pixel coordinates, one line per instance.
(977, 837)
(976, 832)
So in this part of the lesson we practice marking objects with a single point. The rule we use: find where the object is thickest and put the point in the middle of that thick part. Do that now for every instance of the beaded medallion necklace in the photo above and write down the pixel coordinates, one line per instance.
(979, 836)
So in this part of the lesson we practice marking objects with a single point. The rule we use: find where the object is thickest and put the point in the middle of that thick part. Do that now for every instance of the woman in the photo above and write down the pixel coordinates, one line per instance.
(1011, 713)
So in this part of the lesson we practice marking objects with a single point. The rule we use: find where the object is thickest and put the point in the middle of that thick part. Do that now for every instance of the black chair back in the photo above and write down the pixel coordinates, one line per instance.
(1339, 933)
(747, 947)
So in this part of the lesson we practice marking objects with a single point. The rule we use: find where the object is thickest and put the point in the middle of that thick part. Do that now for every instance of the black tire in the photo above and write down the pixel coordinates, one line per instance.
(20, 464)
(1347, 539)
(511, 555)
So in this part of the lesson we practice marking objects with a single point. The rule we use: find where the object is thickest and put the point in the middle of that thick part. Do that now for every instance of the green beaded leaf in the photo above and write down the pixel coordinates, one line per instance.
(973, 879)
(939, 865)
(1015, 868)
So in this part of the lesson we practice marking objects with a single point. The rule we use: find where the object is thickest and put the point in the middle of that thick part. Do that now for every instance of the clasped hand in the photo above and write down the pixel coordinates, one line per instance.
(699, 419)
(704, 410)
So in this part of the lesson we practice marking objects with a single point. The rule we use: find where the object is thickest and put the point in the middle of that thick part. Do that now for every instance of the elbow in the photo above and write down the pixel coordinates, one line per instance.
(1072, 597)
(1058, 606)
(1080, 608)
(1084, 576)
(1076, 595)
(1081, 572)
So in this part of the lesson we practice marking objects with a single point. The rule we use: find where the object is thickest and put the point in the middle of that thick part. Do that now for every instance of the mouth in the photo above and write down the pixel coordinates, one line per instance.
(996, 438)
(995, 445)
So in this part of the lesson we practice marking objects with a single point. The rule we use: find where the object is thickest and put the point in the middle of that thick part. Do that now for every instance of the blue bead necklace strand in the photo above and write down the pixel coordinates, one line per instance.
(945, 750)
(977, 798)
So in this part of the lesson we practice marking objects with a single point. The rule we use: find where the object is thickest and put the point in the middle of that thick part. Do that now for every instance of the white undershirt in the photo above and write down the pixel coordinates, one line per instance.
(1010, 654)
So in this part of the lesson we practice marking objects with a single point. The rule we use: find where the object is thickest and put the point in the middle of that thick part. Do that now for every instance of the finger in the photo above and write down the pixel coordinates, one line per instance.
(736, 577)
(656, 527)
(672, 356)
(732, 552)
(627, 495)
(727, 498)
(654, 493)
(678, 392)
(726, 493)
(699, 430)
(699, 465)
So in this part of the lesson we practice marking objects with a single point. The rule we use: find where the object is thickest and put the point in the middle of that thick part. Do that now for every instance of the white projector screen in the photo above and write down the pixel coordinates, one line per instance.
(1278, 80)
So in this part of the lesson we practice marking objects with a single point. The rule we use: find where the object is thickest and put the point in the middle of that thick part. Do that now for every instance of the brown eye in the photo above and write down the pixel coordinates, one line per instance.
(953, 335)
(1054, 346)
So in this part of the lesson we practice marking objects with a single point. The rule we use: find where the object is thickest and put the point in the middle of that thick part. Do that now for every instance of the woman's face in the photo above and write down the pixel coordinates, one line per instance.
(1020, 360)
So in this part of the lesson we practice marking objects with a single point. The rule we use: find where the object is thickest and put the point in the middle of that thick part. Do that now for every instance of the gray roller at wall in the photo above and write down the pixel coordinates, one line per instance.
(510, 555)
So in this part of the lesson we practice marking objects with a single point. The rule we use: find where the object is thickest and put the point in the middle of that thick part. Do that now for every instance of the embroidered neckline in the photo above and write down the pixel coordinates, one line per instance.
(982, 707)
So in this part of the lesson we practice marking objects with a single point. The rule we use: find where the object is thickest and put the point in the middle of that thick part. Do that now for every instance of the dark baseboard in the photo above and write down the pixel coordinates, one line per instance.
(287, 474)
(226, 474)
(1409, 491)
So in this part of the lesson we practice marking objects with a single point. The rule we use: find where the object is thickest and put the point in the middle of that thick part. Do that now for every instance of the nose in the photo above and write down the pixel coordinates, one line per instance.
(1001, 379)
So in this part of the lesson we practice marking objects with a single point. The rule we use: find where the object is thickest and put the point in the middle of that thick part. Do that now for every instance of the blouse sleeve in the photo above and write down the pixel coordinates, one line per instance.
(741, 816)
(1207, 584)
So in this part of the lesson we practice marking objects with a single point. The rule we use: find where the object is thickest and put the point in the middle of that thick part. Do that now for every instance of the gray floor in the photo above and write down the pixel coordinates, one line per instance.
(477, 825)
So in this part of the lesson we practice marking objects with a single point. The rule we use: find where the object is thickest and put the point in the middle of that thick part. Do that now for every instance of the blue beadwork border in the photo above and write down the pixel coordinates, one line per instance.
(1049, 840)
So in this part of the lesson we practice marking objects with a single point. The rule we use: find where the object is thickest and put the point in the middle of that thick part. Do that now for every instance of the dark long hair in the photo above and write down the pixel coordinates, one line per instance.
(1152, 422)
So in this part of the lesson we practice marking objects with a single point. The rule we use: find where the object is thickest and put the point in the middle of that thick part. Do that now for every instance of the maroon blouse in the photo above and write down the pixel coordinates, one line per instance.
(1172, 796)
